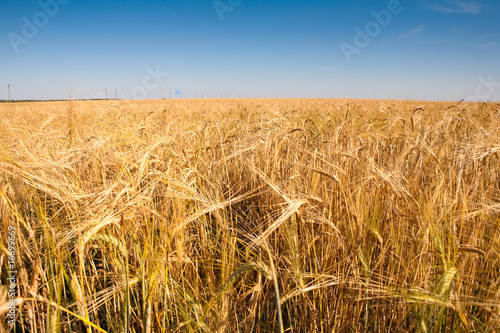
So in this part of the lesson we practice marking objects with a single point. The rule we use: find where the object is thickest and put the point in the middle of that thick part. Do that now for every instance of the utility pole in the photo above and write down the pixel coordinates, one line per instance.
(106, 92)
(9, 92)
(170, 92)
(116, 93)
(196, 93)
(162, 93)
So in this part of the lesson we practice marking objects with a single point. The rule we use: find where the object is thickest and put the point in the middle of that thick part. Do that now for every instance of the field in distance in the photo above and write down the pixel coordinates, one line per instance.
(252, 215)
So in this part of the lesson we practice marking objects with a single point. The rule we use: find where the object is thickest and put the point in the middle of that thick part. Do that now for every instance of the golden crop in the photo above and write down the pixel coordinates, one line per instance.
(252, 215)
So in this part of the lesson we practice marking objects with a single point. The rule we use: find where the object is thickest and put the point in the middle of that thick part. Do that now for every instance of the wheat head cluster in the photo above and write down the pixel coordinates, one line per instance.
(252, 215)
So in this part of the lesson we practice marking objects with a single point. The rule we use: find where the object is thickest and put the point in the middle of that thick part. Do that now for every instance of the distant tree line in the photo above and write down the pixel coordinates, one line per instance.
(49, 100)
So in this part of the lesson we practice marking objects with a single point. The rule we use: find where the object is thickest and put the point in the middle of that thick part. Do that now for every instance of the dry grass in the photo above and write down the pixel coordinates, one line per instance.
(252, 215)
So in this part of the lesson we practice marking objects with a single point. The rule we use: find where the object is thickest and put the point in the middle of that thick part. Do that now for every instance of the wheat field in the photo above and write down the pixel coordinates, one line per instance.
(251, 215)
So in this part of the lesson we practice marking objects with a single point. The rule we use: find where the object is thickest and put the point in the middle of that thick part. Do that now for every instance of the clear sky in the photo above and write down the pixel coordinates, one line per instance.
(418, 49)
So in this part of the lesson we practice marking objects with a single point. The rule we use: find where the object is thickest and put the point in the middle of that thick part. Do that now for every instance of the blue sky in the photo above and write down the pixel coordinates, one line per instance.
(432, 50)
